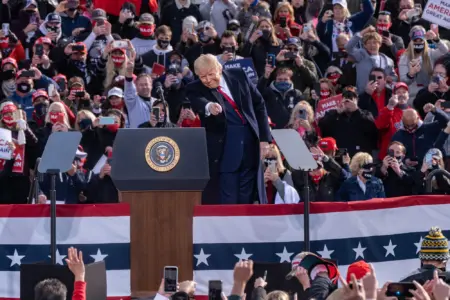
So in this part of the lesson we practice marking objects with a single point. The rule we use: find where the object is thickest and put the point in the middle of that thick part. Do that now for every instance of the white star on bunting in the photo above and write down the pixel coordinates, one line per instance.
(390, 249)
(359, 251)
(16, 259)
(202, 258)
(285, 256)
(59, 258)
(325, 253)
(243, 255)
(99, 256)
(418, 245)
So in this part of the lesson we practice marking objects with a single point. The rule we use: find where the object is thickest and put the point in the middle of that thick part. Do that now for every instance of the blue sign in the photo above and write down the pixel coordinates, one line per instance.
(245, 64)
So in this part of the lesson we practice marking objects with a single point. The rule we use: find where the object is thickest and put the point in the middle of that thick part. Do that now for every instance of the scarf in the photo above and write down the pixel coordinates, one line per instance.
(8, 87)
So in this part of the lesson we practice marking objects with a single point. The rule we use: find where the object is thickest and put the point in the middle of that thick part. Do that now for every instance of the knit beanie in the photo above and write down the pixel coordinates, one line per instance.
(434, 246)
(359, 268)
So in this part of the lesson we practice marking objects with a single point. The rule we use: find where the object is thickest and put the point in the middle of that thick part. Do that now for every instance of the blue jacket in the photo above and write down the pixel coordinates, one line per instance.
(356, 22)
(351, 191)
(26, 102)
(420, 141)
(68, 188)
(68, 24)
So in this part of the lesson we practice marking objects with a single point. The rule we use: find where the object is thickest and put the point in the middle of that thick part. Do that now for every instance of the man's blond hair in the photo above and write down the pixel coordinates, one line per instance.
(206, 61)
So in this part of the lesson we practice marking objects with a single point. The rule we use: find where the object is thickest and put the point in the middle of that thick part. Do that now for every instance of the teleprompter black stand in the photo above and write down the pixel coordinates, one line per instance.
(300, 158)
(58, 157)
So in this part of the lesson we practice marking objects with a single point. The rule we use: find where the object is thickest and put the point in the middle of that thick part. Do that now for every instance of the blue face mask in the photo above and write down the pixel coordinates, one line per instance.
(41, 109)
(85, 123)
(282, 86)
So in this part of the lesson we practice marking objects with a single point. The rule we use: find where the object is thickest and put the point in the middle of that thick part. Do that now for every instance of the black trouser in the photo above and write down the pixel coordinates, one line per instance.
(14, 189)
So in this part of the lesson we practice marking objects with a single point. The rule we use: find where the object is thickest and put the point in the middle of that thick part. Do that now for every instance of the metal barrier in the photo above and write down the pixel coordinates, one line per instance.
(433, 173)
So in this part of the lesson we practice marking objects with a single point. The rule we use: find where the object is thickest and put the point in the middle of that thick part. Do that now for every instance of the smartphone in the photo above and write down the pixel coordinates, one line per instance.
(391, 153)
(106, 121)
(61, 85)
(341, 152)
(100, 22)
(436, 79)
(39, 50)
(290, 55)
(33, 19)
(265, 275)
(215, 289)
(158, 69)
(400, 290)
(271, 59)
(120, 45)
(28, 73)
(372, 78)
(283, 22)
(302, 114)
(418, 8)
(51, 90)
(273, 166)
(385, 33)
(445, 105)
(60, 119)
(5, 29)
(77, 48)
(170, 279)
(306, 27)
(434, 28)
(155, 112)
(187, 105)
(80, 94)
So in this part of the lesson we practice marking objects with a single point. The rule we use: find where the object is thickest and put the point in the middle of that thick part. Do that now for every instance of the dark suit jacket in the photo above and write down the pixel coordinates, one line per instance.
(251, 105)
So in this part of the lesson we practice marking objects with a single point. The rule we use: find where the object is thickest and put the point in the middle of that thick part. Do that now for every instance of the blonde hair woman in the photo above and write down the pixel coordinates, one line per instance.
(362, 185)
(284, 13)
(416, 64)
(302, 120)
(84, 120)
(339, 20)
(57, 116)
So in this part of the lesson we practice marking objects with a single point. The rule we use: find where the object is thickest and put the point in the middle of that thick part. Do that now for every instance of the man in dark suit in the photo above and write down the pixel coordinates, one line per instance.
(237, 132)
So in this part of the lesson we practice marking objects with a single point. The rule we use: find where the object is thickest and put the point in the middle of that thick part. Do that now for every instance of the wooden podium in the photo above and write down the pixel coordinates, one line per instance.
(162, 194)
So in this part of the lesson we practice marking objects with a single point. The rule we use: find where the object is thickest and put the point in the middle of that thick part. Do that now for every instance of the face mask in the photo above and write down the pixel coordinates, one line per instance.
(324, 94)
(266, 34)
(85, 123)
(402, 106)
(8, 120)
(55, 116)
(113, 127)
(366, 174)
(334, 78)
(40, 109)
(176, 84)
(118, 106)
(71, 10)
(204, 38)
(162, 44)
(80, 162)
(399, 158)
(24, 87)
(282, 86)
(53, 28)
(316, 177)
(146, 30)
(236, 32)
(418, 48)
(9, 74)
(383, 27)
(118, 60)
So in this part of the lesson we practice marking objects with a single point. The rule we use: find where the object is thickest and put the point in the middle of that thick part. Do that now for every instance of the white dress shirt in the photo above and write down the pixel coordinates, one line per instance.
(225, 89)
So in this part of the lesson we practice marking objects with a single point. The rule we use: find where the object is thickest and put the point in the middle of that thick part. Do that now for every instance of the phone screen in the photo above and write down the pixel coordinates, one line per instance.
(445, 105)
(400, 290)
(155, 112)
(372, 77)
(386, 33)
(170, 279)
(107, 121)
(215, 290)
(51, 90)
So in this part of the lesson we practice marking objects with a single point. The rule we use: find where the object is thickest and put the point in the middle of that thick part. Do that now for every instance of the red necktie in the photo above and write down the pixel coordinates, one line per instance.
(232, 103)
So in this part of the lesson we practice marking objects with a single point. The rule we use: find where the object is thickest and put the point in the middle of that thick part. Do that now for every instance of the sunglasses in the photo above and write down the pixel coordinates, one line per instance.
(292, 49)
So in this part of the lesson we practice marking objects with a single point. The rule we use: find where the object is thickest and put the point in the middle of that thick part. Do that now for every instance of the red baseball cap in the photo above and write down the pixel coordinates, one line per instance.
(400, 85)
(359, 268)
(39, 93)
(9, 60)
(328, 144)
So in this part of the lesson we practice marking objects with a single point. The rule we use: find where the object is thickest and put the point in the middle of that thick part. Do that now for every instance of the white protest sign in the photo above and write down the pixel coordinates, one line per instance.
(5, 138)
(438, 12)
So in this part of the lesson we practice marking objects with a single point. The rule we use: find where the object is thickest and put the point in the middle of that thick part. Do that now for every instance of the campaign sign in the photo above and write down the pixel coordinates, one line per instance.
(438, 12)
(246, 64)
(327, 104)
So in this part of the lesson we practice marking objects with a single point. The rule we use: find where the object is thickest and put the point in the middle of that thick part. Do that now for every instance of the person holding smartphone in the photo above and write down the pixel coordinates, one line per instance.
(391, 43)
(398, 178)
(159, 116)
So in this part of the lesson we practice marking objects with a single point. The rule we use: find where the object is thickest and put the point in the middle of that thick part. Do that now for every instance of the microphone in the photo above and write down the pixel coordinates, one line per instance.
(159, 89)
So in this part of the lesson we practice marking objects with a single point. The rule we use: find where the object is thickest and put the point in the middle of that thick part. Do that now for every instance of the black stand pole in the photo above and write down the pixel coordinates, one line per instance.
(53, 174)
(306, 212)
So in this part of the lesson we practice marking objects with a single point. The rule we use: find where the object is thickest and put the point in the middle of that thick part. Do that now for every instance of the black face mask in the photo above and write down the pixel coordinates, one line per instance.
(266, 34)
(204, 38)
(399, 158)
(162, 44)
(53, 28)
(367, 174)
(402, 106)
(24, 87)
(418, 48)
(41, 109)
(8, 75)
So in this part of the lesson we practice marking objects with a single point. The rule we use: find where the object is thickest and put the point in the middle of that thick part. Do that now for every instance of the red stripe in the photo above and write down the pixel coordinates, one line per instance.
(317, 207)
(107, 298)
(75, 210)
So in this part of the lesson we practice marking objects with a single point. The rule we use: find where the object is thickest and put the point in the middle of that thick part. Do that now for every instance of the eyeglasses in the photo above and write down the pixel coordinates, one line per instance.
(292, 49)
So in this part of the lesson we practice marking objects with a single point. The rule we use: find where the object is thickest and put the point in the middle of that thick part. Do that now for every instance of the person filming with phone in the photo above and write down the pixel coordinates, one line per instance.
(398, 178)
(159, 116)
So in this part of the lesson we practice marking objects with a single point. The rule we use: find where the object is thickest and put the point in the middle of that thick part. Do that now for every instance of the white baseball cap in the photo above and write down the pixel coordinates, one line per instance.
(115, 91)
(342, 3)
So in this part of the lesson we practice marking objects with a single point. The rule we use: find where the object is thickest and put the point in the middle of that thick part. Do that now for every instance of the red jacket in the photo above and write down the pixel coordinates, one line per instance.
(294, 27)
(113, 7)
(388, 122)
(79, 291)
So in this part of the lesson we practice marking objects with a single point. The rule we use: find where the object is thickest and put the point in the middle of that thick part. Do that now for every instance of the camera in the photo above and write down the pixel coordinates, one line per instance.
(174, 69)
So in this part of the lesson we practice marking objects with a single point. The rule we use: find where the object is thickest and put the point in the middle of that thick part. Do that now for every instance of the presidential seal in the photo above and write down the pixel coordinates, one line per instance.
(162, 154)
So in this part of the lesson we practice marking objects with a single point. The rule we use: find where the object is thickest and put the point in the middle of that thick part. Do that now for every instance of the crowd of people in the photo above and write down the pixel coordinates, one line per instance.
(97, 67)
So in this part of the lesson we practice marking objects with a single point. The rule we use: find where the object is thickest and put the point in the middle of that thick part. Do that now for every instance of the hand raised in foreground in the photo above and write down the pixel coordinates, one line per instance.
(75, 263)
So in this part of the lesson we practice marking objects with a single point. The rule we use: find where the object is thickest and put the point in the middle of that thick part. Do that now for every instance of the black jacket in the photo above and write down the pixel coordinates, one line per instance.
(366, 102)
(395, 186)
(425, 273)
(424, 96)
(173, 17)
